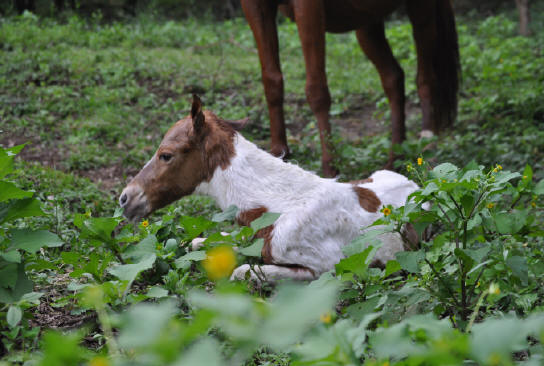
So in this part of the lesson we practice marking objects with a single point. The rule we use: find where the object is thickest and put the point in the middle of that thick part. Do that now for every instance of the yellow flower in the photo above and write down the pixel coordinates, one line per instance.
(386, 211)
(524, 177)
(419, 161)
(145, 223)
(408, 167)
(490, 205)
(533, 204)
(326, 318)
(495, 170)
(219, 262)
(99, 361)
(494, 289)
(499, 167)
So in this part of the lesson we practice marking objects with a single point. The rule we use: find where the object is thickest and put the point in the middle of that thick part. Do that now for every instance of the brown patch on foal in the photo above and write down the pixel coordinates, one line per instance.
(246, 217)
(367, 199)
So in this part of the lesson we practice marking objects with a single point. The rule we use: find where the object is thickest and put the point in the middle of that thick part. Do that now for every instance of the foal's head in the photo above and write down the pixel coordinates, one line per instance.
(188, 155)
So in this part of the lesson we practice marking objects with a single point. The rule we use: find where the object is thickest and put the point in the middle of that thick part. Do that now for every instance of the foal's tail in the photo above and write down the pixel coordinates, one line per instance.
(446, 65)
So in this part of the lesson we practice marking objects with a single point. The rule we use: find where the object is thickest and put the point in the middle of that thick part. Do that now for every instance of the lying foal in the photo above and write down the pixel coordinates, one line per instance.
(204, 154)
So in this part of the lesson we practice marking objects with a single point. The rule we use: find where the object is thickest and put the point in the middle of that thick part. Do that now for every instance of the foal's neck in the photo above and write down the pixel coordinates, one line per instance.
(255, 178)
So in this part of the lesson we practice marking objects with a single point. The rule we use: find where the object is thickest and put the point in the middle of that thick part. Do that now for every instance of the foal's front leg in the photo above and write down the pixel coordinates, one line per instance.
(271, 273)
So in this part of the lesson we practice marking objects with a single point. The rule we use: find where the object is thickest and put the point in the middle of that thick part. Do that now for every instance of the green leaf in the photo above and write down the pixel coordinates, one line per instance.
(26, 207)
(409, 261)
(8, 275)
(142, 249)
(31, 241)
(228, 215)
(97, 228)
(266, 219)
(254, 250)
(14, 315)
(22, 286)
(185, 261)
(6, 163)
(357, 263)
(429, 189)
(157, 292)
(194, 226)
(204, 352)
(129, 272)
(539, 188)
(520, 269)
(444, 170)
(391, 267)
(9, 191)
(510, 222)
(12, 256)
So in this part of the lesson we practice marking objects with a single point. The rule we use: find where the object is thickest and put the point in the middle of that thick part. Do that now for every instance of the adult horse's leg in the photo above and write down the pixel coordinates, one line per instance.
(310, 18)
(438, 67)
(261, 16)
(374, 44)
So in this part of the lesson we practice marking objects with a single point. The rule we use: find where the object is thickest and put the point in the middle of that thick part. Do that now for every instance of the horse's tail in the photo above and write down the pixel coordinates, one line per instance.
(446, 65)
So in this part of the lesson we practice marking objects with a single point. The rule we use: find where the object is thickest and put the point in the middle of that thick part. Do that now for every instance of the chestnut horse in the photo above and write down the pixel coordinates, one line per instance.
(437, 53)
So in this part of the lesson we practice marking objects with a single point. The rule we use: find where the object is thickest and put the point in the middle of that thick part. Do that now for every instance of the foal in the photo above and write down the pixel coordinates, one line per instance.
(204, 154)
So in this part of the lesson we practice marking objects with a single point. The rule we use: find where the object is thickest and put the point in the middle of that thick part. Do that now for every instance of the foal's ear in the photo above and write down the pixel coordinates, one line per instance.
(196, 114)
(237, 125)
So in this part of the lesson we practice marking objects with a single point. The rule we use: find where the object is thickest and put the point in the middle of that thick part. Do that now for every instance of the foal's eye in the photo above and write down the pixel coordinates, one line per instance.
(165, 157)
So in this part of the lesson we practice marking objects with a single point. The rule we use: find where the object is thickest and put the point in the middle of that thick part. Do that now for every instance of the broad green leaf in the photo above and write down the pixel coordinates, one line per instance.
(6, 163)
(228, 215)
(129, 272)
(359, 310)
(391, 267)
(204, 352)
(22, 286)
(444, 170)
(194, 226)
(12, 256)
(32, 298)
(25, 207)
(14, 315)
(10, 191)
(510, 222)
(142, 249)
(539, 188)
(97, 228)
(157, 292)
(518, 266)
(185, 261)
(31, 241)
(357, 263)
(8, 275)
(409, 261)
(254, 250)
(266, 219)
(429, 188)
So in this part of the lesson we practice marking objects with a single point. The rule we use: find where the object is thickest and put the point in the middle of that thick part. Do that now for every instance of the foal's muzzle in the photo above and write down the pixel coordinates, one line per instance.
(134, 202)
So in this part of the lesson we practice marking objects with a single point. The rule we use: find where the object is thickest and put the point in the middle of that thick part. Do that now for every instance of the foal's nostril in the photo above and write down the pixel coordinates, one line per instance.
(123, 199)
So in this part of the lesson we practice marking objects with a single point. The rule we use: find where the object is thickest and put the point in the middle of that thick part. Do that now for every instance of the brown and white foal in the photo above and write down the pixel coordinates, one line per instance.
(205, 154)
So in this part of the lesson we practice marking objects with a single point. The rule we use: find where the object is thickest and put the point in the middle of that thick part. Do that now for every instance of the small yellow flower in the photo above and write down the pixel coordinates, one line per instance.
(533, 204)
(386, 211)
(494, 289)
(419, 161)
(490, 205)
(524, 177)
(499, 167)
(326, 318)
(145, 223)
(219, 262)
(99, 361)
(408, 167)
(478, 284)
(495, 170)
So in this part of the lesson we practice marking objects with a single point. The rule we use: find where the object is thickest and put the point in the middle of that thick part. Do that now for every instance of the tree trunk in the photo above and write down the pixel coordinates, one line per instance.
(524, 17)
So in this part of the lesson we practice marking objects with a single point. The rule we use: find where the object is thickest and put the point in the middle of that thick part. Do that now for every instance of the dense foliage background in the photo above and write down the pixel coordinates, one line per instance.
(92, 89)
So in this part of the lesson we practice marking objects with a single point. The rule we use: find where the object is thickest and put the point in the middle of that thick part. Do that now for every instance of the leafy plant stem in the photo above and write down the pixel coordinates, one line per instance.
(476, 309)
(441, 280)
